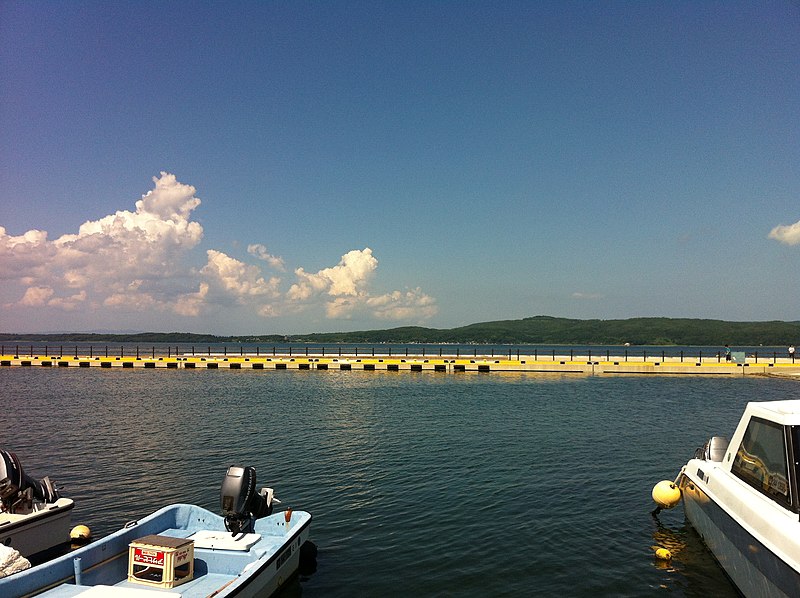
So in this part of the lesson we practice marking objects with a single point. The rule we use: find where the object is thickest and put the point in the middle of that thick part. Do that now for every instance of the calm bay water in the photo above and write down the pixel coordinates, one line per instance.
(420, 483)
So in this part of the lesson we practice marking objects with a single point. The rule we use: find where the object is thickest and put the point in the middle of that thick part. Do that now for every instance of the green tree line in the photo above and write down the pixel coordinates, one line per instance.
(534, 330)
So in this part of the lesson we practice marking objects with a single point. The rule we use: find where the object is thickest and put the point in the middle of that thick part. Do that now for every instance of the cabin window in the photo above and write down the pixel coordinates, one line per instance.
(761, 460)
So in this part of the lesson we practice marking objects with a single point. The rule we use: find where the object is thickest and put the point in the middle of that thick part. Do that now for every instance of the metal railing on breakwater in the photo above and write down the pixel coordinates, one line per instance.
(440, 359)
(169, 351)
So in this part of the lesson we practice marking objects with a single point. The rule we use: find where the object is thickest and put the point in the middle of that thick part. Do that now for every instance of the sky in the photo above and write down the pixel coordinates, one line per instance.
(295, 167)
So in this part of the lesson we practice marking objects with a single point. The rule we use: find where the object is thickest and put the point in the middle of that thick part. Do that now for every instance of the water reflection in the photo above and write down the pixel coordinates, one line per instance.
(692, 569)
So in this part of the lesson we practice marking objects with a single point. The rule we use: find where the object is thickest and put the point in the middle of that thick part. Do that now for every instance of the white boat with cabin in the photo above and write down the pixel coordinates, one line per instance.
(743, 498)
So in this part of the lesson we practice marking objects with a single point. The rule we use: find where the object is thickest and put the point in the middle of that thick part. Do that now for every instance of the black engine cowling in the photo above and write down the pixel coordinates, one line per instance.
(241, 503)
(17, 487)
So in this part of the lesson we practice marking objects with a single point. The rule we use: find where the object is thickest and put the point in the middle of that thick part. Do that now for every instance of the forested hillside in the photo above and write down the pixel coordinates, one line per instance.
(534, 330)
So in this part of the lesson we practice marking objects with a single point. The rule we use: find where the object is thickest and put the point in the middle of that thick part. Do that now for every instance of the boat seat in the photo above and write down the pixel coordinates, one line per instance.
(174, 532)
(224, 540)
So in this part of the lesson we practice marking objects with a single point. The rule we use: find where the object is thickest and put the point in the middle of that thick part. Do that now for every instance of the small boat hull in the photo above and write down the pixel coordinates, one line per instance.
(39, 531)
(257, 570)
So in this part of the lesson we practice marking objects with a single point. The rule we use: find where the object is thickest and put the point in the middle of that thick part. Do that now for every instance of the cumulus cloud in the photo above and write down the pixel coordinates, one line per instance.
(238, 279)
(191, 304)
(344, 285)
(346, 288)
(403, 305)
(259, 251)
(138, 261)
(788, 234)
(36, 296)
(71, 303)
(127, 259)
(348, 277)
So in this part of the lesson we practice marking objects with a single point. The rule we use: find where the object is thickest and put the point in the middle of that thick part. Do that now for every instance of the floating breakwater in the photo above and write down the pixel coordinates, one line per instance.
(555, 364)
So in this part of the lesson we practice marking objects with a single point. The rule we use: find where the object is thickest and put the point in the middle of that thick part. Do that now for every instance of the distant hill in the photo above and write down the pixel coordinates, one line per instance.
(538, 330)
(546, 330)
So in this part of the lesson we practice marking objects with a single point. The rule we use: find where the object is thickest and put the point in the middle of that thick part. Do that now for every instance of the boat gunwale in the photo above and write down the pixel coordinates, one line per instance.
(21, 521)
(251, 578)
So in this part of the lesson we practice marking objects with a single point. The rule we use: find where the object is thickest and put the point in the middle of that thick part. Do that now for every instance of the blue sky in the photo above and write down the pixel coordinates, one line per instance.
(304, 167)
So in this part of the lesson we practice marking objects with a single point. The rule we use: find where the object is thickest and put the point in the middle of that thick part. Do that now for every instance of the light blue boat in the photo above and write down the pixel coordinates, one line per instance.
(248, 552)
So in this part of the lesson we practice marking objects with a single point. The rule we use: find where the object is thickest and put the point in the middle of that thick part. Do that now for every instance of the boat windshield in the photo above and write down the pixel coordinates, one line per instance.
(762, 462)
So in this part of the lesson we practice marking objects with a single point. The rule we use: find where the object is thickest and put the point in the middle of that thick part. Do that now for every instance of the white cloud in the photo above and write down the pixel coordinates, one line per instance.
(259, 251)
(341, 308)
(238, 279)
(125, 260)
(268, 311)
(22, 257)
(346, 278)
(71, 303)
(36, 296)
(191, 304)
(344, 290)
(136, 262)
(170, 201)
(413, 304)
(787, 234)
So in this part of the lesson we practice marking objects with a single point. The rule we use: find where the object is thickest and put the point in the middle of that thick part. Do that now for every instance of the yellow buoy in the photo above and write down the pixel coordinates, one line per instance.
(80, 533)
(663, 554)
(666, 494)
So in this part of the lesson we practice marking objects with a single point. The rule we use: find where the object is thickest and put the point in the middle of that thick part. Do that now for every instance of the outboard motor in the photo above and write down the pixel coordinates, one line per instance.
(714, 449)
(241, 504)
(18, 490)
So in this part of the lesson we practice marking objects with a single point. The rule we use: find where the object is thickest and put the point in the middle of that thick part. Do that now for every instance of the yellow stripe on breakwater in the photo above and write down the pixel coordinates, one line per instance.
(420, 363)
